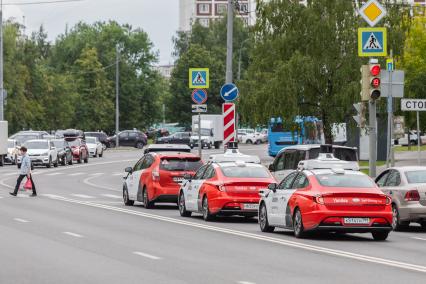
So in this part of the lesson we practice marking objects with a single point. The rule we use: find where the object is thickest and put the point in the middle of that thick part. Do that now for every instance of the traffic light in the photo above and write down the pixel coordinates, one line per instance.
(374, 79)
(360, 116)
(365, 83)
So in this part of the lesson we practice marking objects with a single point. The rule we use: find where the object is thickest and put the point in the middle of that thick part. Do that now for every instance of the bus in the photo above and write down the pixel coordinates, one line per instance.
(303, 130)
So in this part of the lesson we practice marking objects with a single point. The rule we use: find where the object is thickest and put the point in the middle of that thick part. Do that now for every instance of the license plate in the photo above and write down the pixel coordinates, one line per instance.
(356, 221)
(251, 206)
(178, 179)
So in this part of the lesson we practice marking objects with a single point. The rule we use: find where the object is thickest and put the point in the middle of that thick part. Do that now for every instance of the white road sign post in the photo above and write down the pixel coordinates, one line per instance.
(416, 105)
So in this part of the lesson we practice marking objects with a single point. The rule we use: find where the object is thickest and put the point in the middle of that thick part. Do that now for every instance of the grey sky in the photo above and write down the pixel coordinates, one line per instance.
(159, 18)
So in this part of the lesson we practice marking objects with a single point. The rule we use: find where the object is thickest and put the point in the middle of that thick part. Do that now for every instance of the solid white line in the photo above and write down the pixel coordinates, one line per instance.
(54, 174)
(72, 234)
(96, 174)
(21, 220)
(117, 174)
(76, 174)
(147, 255)
(52, 195)
(112, 196)
(245, 282)
(416, 238)
(82, 196)
(87, 181)
(334, 252)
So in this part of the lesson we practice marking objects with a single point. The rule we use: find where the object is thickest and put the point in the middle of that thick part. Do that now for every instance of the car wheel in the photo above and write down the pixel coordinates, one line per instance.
(111, 144)
(57, 162)
(207, 216)
(210, 146)
(182, 208)
(15, 161)
(126, 198)
(70, 162)
(249, 141)
(86, 160)
(299, 230)
(49, 165)
(139, 145)
(423, 224)
(104, 147)
(380, 236)
(397, 225)
(96, 154)
(263, 220)
(146, 203)
(80, 159)
(101, 154)
(216, 145)
(64, 160)
(258, 142)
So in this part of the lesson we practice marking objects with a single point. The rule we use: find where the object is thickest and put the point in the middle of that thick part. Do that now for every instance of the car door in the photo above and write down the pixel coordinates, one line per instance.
(175, 138)
(133, 138)
(146, 176)
(133, 178)
(185, 138)
(123, 138)
(288, 164)
(191, 189)
(276, 199)
(208, 174)
(285, 212)
(392, 187)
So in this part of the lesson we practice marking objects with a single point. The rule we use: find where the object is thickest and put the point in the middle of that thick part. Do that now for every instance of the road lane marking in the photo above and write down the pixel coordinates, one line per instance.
(96, 174)
(416, 238)
(54, 174)
(265, 238)
(112, 196)
(72, 234)
(147, 255)
(88, 182)
(117, 174)
(11, 174)
(82, 196)
(1, 197)
(52, 195)
(21, 220)
(76, 174)
(21, 195)
(245, 282)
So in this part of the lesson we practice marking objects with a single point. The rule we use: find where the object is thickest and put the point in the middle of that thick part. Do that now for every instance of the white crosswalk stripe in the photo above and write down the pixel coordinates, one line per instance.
(112, 196)
(54, 174)
(117, 174)
(96, 174)
(82, 196)
(76, 174)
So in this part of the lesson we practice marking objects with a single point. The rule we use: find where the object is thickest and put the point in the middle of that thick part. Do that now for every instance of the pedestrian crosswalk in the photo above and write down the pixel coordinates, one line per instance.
(83, 196)
(62, 173)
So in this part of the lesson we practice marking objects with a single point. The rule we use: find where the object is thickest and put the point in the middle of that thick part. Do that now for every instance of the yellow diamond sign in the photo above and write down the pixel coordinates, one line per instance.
(372, 12)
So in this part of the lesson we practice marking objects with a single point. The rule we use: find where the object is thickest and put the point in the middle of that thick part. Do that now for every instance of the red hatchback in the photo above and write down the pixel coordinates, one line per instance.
(156, 177)
(79, 149)
(226, 188)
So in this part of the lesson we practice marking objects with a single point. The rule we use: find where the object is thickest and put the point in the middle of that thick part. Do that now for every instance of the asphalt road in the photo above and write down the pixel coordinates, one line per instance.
(78, 231)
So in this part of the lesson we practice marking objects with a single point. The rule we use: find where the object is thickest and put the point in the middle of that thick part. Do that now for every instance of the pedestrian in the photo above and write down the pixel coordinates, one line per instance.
(25, 172)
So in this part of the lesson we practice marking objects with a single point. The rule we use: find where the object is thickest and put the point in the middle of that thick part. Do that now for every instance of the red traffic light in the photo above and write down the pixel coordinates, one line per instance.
(375, 70)
(375, 83)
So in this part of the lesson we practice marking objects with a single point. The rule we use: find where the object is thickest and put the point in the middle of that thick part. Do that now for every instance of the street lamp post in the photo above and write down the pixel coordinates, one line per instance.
(1, 63)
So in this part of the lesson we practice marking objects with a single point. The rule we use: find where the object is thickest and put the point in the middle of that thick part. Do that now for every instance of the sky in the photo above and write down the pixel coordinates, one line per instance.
(158, 18)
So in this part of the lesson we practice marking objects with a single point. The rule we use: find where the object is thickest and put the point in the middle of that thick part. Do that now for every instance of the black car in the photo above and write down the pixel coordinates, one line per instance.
(64, 151)
(176, 138)
(102, 137)
(132, 138)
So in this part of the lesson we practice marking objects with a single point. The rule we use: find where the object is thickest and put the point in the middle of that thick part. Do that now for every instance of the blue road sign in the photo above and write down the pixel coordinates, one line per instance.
(199, 96)
(229, 92)
(372, 42)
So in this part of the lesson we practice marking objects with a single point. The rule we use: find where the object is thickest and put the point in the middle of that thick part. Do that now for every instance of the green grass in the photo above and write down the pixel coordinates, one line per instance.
(405, 148)
(366, 164)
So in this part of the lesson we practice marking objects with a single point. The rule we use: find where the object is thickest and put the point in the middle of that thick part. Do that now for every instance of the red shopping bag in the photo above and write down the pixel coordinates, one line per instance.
(28, 184)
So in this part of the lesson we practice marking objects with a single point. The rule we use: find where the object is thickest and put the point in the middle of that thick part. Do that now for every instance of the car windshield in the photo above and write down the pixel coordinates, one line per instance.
(91, 140)
(59, 144)
(37, 145)
(345, 180)
(204, 132)
(416, 176)
(24, 138)
(74, 143)
(344, 154)
(10, 144)
(245, 171)
(184, 164)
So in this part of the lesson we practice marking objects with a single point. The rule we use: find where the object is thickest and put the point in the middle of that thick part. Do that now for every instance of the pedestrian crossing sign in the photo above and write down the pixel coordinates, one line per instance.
(372, 42)
(199, 78)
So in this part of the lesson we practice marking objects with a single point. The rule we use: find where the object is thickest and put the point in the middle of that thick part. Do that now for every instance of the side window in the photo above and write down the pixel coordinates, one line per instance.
(200, 172)
(300, 182)
(289, 159)
(382, 179)
(279, 164)
(300, 156)
(133, 135)
(147, 161)
(394, 179)
(286, 183)
(123, 135)
(138, 165)
(210, 172)
(185, 135)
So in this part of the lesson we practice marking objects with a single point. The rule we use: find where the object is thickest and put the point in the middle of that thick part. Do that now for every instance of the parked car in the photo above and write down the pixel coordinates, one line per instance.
(176, 138)
(95, 147)
(22, 137)
(64, 151)
(407, 187)
(80, 152)
(249, 136)
(132, 138)
(102, 137)
(41, 152)
(413, 139)
(36, 133)
(13, 147)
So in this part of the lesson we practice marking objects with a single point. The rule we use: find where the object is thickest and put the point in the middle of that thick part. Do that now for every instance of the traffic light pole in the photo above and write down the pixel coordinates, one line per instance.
(372, 137)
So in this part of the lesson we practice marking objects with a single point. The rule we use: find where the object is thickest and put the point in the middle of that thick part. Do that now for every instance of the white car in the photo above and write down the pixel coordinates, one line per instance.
(12, 151)
(42, 153)
(95, 147)
(413, 139)
(249, 136)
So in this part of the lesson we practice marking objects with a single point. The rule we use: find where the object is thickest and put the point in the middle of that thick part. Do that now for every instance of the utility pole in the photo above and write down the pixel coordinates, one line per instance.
(229, 42)
(117, 93)
(372, 137)
(1, 63)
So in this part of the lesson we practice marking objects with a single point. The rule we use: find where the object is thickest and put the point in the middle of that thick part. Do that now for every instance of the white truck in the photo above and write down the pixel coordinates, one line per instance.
(3, 141)
(211, 131)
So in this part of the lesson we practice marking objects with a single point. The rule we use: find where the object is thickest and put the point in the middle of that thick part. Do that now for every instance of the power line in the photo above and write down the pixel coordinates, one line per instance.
(42, 2)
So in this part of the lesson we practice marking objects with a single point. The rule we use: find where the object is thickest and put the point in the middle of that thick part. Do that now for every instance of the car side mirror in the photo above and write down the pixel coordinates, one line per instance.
(272, 167)
(187, 177)
(128, 170)
(273, 187)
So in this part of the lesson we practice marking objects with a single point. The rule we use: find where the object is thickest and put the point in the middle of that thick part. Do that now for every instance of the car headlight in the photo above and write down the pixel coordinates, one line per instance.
(45, 154)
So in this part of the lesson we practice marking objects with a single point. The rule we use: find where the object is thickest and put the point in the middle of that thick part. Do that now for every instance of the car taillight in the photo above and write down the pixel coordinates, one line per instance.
(221, 188)
(319, 199)
(388, 200)
(155, 175)
(412, 195)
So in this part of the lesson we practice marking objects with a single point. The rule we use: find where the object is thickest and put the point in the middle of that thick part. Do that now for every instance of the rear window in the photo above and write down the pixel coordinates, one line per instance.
(340, 153)
(345, 180)
(416, 176)
(37, 145)
(184, 164)
(245, 172)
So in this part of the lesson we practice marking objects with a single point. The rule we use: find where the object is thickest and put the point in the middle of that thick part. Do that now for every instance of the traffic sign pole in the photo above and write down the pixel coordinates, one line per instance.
(418, 139)
(390, 116)
(199, 135)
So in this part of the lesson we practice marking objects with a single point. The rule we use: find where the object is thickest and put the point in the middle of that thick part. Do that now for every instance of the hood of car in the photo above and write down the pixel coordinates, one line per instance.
(37, 151)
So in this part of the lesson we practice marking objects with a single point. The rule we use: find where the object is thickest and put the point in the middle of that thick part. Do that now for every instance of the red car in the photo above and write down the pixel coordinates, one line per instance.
(334, 200)
(79, 149)
(224, 188)
(156, 177)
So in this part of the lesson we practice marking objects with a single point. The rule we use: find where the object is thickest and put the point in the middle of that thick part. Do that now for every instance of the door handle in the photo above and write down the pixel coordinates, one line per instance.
(390, 192)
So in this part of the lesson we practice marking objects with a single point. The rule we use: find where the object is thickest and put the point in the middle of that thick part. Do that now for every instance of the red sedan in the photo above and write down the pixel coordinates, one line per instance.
(324, 199)
(226, 188)
(79, 149)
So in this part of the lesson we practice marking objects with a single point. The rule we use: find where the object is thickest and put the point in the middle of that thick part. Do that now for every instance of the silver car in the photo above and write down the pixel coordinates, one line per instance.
(407, 187)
